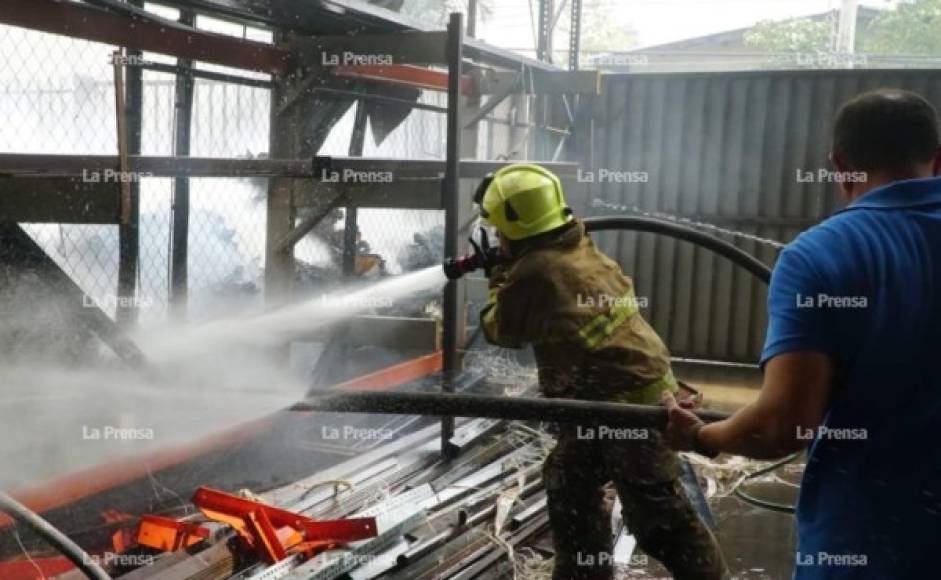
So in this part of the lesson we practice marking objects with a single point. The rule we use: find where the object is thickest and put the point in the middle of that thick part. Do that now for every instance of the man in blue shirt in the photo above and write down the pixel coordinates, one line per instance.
(852, 359)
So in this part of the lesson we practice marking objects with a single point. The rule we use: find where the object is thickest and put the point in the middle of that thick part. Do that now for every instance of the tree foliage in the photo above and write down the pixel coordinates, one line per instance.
(601, 31)
(792, 35)
(912, 28)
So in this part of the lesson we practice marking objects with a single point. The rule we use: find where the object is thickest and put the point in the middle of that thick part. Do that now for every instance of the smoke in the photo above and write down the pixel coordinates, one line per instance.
(56, 418)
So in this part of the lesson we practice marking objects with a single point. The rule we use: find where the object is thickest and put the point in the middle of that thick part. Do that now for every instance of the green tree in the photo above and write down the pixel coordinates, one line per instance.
(602, 31)
(914, 27)
(805, 35)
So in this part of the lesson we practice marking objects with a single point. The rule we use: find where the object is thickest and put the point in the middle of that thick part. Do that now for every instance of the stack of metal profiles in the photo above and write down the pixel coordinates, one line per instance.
(436, 517)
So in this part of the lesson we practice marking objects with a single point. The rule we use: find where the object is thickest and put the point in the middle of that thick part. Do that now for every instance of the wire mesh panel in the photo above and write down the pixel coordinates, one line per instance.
(56, 94)
(226, 246)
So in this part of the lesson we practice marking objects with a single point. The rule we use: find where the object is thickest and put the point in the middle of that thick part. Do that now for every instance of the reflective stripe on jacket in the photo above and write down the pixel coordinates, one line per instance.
(580, 313)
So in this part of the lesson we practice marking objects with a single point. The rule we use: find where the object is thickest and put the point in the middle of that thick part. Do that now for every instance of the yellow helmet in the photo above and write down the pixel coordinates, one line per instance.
(522, 200)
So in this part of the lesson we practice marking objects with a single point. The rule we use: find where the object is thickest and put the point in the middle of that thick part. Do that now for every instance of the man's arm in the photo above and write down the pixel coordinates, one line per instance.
(790, 408)
(798, 372)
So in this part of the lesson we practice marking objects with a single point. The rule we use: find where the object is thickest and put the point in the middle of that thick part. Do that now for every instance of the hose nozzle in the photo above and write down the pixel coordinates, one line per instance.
(455, 268)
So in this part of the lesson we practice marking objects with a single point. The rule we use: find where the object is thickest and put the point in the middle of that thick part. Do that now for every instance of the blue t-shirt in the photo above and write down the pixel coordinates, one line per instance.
(864, 287)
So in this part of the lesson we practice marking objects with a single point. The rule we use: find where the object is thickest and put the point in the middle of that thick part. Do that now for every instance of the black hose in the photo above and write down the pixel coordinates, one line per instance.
(741, 494)
(728, 251)
(494, 407)
(56, 539)
(685, 233)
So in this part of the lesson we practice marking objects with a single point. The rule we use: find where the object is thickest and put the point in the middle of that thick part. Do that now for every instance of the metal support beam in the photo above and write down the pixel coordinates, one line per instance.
(493, 102)
(204, 74)
(279, 264)
(104, 168)
(340, 93)
(95, 166)
(575, 34)
(351, 231)
(310, 222)
(18, 247)
(179, 237)
(544, 33)
(453, 307)
(495, 407)
(66, 200)
(399, 48)
(131, 112)
(403, 75)
(84, 21)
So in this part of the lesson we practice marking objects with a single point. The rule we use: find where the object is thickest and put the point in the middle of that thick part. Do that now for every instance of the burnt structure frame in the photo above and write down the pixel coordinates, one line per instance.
(33, 186)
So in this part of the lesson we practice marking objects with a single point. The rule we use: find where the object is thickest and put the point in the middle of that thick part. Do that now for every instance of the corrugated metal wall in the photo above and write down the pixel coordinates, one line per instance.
(723, 149)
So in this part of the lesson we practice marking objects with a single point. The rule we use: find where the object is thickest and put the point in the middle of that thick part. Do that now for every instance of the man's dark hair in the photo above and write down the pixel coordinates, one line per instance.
(886, 130)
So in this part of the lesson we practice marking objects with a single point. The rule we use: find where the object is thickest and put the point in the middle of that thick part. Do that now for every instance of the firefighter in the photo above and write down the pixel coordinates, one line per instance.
(552, 288)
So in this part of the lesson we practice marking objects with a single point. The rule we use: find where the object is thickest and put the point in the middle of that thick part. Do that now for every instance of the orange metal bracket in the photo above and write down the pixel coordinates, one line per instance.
(395, 375)
(273, 532)
(167, 534)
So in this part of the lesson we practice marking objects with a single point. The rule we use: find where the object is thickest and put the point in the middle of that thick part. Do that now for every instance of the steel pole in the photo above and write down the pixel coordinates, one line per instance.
(453, 308)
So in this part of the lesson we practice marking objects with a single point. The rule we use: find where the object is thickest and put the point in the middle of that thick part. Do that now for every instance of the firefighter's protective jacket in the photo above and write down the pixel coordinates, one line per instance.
(578, 310)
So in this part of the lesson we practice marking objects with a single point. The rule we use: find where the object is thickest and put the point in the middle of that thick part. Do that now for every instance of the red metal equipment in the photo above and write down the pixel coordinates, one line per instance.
(273, 533)
(168, 535)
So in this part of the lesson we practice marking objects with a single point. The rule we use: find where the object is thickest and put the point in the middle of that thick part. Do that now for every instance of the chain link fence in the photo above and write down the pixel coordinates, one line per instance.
(57, 97)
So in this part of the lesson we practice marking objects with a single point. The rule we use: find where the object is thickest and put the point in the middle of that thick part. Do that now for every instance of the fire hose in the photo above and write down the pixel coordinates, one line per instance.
(456, 268)
(56, 539)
